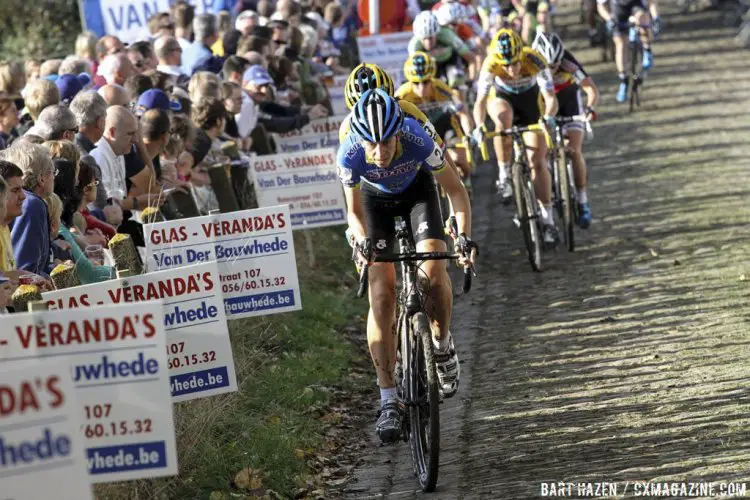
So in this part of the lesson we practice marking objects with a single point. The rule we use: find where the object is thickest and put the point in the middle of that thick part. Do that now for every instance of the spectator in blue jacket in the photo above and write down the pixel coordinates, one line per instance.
(206, 34)
(30, 232)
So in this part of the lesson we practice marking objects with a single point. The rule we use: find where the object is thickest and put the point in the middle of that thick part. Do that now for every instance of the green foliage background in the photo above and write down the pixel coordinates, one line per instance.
(38, 28)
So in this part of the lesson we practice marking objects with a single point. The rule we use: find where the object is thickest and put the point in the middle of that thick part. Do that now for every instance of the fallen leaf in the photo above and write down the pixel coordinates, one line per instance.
(299, 453)
(743, 277)
(249, 479)
(308, 392)
(333, 417)
(274, 420)
(653, 252)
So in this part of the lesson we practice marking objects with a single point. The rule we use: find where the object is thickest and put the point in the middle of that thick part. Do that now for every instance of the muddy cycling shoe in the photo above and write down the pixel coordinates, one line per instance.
(584, 220)
(550, 237)
(448, 369)
(390, 417)
(505, 190)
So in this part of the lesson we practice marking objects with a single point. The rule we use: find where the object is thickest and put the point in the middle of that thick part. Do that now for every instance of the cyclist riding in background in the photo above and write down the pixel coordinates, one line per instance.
(617, 14)
(443, 106)
(510, 83)
(448, 50)
(570, 77)
(395, 163)
(462, 18)
(534, 15)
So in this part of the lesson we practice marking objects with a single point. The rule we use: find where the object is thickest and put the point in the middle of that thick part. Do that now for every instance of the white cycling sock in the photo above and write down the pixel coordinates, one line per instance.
(547, 214)
(388, 394)
(442, 345)
(582, 196)
(503, 172)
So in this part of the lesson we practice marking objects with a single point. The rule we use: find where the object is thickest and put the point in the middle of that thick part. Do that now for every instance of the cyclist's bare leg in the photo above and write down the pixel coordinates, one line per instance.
(621, 48)
(574, 144)
(501, 113)
(439, 304)
(459, 159)
(381, 322)
(536, 151)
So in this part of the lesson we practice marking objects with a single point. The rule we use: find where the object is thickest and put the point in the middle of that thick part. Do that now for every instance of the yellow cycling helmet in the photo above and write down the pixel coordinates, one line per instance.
(419, 67)
(363, 78)
(507, 46)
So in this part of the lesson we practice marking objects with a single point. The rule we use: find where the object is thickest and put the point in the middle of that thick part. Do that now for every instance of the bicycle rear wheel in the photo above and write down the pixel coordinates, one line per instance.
(424, 413)
(527, 211)
(566, 198)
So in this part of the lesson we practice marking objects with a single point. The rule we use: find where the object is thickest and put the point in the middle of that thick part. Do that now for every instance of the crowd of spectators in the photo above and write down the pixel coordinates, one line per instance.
(87, 142)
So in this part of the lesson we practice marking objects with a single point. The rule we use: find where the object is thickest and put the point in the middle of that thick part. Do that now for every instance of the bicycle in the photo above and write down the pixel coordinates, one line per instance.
(418, 380)
(564, 194)
(637, 74)
(528, 217)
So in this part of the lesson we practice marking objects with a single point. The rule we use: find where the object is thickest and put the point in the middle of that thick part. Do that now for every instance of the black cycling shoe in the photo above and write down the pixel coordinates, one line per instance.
(390, 417)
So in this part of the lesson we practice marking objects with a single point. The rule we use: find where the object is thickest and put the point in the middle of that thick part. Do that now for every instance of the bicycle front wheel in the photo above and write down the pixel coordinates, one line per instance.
(566, 198)
(528, 215)
(424, 414)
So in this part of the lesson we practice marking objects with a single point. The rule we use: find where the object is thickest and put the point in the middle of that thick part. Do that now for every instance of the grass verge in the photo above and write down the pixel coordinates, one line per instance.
(284, 365)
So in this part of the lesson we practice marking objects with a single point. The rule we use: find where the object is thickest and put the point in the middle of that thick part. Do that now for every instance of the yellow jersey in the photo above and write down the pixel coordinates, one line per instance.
(434, 105)
(439, 92)
(410, 111)
(534, 72)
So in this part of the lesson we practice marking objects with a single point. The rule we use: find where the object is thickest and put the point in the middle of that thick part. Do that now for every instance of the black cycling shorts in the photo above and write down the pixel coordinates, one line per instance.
(527, 106)
(570, 104)
(418, 205)
(623, 9)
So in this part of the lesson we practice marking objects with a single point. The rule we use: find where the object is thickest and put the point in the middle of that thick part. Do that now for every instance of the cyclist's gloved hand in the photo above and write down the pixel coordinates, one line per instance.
(468, 250)
(477, 135)
(362, 252)
(610, 26)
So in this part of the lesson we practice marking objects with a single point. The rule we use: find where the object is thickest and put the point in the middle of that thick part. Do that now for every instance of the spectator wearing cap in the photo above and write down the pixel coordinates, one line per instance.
(206, 34)
(183, 14)
(245, 21)
(40, 94)
(169, 54)
(141, 54)
(8, 119)
(70, 85)
(30, 234)
(151, 100)
(275, 117)
(116, 69)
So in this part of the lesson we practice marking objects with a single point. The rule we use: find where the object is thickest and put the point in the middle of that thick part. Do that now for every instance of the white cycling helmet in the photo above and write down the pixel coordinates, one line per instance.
(426, 25)
(549, 46)
(449, 13)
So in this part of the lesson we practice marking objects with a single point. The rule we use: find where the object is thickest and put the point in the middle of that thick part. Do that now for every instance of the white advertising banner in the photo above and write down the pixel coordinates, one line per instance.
(254, 250)
(307, 182)
(117, 357)
(198, 348)
(336, 93)
(128, 19)
(41, 446)
(298, 143)
(388, 51)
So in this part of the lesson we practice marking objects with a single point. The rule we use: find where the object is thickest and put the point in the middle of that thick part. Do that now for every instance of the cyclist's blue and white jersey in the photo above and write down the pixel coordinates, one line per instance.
(414, 150)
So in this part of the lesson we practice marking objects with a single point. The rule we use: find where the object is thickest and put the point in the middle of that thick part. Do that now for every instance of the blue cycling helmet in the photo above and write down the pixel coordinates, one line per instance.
(377, 116)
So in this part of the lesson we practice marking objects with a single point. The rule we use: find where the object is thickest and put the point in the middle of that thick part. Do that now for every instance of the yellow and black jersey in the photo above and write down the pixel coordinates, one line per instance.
(534, 72)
